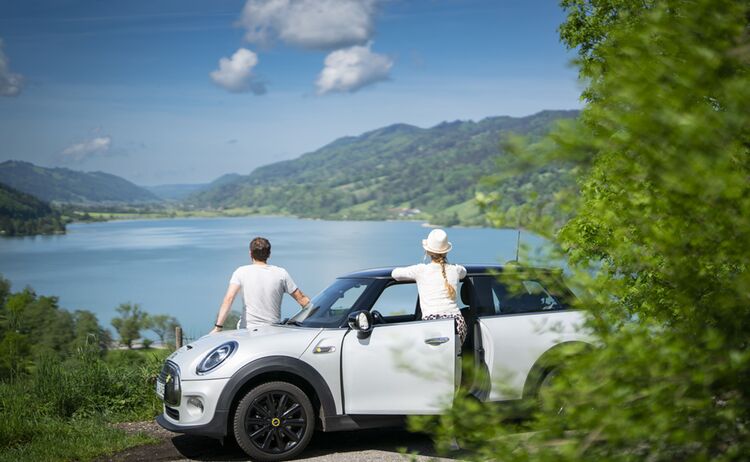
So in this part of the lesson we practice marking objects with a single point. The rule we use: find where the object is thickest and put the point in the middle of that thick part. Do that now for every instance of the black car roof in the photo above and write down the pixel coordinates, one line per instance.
(385, 272)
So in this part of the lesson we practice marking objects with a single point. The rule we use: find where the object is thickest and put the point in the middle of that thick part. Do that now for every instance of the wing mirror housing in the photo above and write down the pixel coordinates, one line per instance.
(361, 321)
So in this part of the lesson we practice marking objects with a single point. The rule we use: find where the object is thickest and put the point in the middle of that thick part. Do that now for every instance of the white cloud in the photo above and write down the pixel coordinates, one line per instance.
(10, 83)
(235, 74)
(316, 24)
(81, 151)
(352, 68)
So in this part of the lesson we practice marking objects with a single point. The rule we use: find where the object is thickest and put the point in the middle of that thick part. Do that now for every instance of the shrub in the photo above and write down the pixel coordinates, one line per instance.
(662, 154)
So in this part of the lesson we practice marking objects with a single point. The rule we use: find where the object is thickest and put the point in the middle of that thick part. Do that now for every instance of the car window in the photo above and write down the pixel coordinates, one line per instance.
(397, 300)
(530, 296)
(331, 307)
(347, 298)
(462, 296)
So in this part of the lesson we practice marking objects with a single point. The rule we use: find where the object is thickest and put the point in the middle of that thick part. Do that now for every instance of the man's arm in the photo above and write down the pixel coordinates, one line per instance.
(301, 298)
(226, 305)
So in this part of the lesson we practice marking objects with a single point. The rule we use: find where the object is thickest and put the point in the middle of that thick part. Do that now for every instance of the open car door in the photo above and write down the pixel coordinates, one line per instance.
(400, 369)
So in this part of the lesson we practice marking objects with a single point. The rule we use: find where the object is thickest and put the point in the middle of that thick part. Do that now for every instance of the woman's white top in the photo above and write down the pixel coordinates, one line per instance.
(433, 295)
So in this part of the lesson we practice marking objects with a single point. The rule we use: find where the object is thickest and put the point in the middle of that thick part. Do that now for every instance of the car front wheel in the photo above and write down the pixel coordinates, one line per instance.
(274, 421)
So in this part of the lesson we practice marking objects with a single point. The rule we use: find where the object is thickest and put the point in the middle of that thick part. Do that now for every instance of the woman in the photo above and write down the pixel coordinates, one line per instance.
(436, 281)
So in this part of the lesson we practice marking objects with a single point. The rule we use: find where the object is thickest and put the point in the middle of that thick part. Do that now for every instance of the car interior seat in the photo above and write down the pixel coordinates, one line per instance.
(469, 314)
(522, 303)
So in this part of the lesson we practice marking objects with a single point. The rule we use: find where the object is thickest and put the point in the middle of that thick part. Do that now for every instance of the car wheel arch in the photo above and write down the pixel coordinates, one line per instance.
(549, 360)
(274, 369)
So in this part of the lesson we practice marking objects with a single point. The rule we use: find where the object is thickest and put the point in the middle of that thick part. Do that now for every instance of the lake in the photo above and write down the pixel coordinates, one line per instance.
(182, 267)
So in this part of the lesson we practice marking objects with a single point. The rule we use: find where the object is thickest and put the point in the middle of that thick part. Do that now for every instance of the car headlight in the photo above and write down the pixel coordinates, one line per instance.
(217, 356)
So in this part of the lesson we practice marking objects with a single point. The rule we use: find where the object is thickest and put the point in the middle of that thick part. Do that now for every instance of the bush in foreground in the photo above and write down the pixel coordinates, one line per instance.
(662, 154)
(61, 411)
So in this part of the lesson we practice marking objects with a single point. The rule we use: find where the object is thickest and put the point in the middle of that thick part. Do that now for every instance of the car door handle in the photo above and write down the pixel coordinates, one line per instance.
(436, 340)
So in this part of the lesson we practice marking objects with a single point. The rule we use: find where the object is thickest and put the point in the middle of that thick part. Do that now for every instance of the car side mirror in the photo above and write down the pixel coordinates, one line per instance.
(361, 321)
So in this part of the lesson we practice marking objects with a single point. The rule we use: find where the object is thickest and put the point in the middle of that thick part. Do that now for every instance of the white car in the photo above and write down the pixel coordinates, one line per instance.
(363, 358)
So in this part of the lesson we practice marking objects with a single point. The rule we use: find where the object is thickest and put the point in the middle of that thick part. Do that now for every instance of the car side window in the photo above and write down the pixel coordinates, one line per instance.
(495, 298)
(528, 297)
(397, 302)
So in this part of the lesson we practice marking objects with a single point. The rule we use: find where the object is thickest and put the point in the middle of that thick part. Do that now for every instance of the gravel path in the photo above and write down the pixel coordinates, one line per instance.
(363, 445)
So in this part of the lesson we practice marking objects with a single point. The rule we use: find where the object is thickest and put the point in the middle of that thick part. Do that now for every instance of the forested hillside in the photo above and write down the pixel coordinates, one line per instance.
(70, 186)
(24, 215)
(396, 171)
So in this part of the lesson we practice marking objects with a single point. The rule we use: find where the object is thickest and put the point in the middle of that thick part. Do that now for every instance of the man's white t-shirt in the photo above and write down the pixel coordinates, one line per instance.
(263, 286)
(433, 296)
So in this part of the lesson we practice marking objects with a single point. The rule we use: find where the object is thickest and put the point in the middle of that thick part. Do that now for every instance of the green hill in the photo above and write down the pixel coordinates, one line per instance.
(399, 171)
(70, 186)
(24, 215)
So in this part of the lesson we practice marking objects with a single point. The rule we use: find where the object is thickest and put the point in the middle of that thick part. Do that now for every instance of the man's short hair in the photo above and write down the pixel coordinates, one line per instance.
(260, 249)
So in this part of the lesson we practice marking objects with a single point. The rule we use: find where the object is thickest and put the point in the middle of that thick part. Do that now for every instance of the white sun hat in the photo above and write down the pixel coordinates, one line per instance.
(437, 242)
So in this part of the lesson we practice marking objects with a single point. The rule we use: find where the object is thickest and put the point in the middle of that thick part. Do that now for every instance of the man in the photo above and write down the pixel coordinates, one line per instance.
(262, 286)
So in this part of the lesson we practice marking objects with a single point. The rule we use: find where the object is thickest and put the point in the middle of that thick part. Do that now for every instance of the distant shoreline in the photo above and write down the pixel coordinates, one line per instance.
(100, 217)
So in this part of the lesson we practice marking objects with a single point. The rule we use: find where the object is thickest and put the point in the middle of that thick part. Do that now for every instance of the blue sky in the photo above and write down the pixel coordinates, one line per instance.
(136, 88)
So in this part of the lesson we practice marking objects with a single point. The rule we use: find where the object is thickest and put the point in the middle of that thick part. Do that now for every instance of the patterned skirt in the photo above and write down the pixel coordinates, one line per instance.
(460, 323)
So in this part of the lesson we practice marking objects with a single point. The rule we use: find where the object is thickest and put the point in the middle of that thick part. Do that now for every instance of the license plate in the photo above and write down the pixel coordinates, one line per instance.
(160, 389)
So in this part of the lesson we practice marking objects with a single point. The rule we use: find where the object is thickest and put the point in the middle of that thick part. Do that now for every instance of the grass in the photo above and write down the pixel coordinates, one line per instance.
(62, 410)
(86, 439)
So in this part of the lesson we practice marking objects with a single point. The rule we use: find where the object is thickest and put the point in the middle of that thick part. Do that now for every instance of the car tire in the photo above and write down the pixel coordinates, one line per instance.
(274, 421)
(543, 393)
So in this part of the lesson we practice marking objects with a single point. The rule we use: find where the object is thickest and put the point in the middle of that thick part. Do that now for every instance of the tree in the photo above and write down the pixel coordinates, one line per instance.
(4, 290)
(89, 335)
(662, 210)
(32, 326)
(163, 326)
(129, 323)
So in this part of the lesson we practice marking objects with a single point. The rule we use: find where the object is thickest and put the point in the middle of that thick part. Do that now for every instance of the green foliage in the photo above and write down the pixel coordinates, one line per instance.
(661, 155)
(588, 27)
(130, 322)
(70, 186)
(61, 411)
(518, 197)
(32, 326)
(382, 173)
(23, 215)
(59, 387)
(163, 326)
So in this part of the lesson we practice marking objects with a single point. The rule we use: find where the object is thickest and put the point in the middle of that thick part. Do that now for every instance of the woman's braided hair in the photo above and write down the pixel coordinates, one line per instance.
(442, 259)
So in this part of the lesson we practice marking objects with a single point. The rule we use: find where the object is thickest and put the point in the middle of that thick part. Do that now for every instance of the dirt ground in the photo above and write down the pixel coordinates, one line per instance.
(363, 445)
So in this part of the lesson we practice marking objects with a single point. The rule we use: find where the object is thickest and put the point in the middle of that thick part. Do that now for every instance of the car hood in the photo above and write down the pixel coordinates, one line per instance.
(253, 343)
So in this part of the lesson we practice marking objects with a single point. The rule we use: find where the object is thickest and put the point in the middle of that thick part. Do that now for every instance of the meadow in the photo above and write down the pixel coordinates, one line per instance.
(65, 409)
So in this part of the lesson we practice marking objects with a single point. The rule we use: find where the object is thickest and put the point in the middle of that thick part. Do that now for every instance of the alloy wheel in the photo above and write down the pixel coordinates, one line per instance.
(275, 422)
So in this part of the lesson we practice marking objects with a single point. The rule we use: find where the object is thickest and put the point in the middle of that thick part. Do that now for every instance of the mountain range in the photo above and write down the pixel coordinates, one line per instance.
(396, 171)
(63, 185)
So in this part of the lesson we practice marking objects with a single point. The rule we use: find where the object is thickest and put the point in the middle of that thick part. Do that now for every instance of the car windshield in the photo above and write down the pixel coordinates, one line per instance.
(331, 306)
